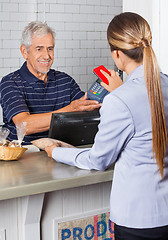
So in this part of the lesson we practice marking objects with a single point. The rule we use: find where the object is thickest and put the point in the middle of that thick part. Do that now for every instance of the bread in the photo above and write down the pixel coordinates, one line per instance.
(42, 143)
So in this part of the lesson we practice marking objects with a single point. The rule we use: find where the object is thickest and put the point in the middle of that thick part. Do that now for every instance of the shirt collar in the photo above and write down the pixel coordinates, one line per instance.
(136, 73)
(28, 76)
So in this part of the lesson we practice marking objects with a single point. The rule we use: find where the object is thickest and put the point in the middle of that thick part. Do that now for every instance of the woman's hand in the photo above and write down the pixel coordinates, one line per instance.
(51, 148)
(57, 143)
(114, 80)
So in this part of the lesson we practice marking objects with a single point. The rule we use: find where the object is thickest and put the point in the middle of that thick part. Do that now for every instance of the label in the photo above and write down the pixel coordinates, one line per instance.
(90, 228)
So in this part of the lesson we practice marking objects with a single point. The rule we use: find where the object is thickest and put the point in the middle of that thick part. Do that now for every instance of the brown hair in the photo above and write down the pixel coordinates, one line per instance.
(131, 34)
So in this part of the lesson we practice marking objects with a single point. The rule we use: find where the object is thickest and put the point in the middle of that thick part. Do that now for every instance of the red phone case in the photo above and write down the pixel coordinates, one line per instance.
(100, 75)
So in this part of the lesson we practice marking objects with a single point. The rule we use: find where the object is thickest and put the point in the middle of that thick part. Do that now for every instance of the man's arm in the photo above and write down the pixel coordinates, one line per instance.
(41, 122)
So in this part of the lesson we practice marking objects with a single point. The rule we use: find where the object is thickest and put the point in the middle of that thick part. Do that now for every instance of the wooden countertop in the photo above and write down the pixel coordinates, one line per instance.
(36, 173)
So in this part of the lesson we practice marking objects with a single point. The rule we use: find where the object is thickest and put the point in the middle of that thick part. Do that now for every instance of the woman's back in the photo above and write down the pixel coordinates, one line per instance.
(138, 191)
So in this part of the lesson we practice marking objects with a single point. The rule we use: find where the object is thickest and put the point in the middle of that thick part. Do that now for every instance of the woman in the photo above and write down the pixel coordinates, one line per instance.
(132, 132)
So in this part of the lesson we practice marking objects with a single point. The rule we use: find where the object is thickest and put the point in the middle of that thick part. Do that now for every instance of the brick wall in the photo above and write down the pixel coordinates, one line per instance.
(80, 27)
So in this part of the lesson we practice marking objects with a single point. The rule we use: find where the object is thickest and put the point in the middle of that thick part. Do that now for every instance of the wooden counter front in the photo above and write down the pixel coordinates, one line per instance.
(36, 193)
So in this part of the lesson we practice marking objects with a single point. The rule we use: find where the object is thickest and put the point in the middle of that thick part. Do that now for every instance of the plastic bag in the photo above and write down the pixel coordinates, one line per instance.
(4, 132)
(21, 131)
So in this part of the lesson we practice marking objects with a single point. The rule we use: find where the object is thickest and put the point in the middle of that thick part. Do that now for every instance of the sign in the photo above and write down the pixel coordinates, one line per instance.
(98, 227)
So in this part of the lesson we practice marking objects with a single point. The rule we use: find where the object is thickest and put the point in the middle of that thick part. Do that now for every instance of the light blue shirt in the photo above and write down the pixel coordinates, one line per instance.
(139, 198)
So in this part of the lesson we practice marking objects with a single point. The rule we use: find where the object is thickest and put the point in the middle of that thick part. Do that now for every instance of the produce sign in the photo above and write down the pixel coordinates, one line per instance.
(97, 227)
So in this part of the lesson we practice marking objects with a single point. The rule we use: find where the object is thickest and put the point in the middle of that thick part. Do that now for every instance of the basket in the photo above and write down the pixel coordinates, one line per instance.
(11, 153)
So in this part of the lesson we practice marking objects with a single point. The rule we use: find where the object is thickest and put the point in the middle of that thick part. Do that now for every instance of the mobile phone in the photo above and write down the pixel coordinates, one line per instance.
(100, 75)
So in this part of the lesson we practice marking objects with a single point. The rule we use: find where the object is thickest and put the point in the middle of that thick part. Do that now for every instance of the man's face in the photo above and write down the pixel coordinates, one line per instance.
(40, 55)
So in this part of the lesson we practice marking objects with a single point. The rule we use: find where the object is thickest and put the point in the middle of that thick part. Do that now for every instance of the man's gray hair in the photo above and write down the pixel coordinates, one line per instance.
(35, 28)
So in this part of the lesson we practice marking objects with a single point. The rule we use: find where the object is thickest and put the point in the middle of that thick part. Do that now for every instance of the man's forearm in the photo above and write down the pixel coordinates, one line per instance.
(41, 122)
(37, 122)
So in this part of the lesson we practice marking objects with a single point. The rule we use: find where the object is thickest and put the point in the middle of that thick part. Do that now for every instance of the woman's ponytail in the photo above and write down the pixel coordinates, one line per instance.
(153, 84)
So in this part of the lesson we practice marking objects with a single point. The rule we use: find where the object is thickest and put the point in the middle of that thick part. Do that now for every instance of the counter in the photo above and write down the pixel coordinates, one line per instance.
(33, 188)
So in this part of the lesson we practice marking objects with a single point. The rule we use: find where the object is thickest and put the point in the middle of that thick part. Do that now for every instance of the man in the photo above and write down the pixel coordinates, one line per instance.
(32, 93)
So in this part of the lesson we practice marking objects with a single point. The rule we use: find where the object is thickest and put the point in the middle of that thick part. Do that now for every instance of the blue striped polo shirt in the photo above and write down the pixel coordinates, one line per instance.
(21, 91)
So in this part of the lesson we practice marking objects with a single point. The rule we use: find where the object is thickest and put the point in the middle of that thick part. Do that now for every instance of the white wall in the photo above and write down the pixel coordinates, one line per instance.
(80, 27)
(156, 13)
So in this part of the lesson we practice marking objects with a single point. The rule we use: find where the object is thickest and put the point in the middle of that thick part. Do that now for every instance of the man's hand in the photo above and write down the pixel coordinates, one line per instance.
(83, 104)
(114, 80)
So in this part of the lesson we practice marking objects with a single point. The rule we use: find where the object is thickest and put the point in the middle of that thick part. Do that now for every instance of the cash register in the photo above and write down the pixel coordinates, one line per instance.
(75, 128)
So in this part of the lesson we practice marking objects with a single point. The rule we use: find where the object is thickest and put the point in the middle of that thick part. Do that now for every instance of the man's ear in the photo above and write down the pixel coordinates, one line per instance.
(24, 52)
